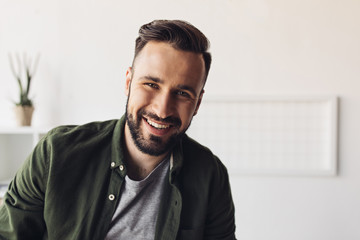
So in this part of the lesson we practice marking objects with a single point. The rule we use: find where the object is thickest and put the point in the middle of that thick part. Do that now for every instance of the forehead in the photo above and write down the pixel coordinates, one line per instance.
(161, 60)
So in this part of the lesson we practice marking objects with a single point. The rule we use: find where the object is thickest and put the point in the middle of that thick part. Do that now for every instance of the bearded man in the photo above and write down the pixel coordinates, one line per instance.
(140, 177)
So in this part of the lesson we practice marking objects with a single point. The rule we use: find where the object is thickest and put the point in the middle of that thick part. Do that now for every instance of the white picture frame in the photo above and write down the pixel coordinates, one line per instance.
(282, 135)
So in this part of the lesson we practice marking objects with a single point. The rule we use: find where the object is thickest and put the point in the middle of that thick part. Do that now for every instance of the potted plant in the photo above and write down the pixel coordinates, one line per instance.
(24, 107)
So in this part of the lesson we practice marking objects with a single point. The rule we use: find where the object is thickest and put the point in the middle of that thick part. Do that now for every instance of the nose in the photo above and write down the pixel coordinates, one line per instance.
(163, 105)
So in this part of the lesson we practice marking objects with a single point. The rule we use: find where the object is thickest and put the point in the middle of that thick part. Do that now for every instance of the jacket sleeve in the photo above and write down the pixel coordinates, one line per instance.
(220, 221)
(21, 215)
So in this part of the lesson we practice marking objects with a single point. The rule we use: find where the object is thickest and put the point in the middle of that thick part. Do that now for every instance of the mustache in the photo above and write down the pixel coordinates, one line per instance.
(168, 120)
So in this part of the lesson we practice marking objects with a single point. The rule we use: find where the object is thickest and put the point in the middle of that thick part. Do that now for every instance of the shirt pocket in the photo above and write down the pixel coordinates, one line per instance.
(191, 234)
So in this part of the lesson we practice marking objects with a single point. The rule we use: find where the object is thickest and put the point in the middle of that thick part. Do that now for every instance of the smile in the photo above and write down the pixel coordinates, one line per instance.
(157, 125)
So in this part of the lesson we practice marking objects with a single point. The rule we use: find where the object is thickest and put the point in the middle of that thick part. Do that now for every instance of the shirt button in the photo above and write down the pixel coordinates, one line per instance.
(111, 197)
(121, 167)
(113, 164)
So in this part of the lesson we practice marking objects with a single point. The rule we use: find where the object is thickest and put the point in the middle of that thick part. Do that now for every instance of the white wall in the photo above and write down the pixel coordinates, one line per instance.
(260, 47)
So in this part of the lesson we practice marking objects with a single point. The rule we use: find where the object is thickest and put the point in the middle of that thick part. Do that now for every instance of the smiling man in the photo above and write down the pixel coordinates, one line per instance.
(164, 90)
(140, 177)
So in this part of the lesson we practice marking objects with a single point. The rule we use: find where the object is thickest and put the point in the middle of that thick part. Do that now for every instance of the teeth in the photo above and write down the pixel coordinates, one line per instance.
(156, 125)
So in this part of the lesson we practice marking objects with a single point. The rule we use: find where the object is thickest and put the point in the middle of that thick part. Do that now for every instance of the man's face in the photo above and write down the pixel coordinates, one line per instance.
(164, 92)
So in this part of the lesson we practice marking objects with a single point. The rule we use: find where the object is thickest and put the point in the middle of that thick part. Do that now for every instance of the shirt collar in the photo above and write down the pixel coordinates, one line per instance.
(176, 160)
(117, 148)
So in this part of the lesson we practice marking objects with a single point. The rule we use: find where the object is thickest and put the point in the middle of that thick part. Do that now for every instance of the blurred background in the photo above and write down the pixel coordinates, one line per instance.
(259, 47)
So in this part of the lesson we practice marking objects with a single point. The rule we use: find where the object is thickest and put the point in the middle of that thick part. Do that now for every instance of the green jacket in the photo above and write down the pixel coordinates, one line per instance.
(69, 188)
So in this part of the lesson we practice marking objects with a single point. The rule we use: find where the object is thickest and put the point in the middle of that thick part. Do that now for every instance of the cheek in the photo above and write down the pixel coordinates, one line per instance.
(138, 98)
(186, 113)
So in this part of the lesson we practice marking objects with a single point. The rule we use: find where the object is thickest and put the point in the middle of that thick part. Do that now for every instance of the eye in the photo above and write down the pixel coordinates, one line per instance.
(182, 93)
(152, 85)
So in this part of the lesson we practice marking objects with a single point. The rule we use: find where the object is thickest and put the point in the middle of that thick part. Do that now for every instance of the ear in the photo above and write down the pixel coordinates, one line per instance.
(199, 102)
(128, 81)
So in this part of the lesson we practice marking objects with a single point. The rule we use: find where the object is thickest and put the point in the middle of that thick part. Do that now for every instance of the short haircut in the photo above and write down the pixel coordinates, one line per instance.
(179, 34)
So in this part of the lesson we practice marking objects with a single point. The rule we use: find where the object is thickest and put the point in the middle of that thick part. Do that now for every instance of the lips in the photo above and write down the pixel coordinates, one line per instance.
(157, 128)
(157, 125)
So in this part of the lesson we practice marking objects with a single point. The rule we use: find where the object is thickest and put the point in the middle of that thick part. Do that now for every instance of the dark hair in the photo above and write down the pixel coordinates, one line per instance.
(180, 34)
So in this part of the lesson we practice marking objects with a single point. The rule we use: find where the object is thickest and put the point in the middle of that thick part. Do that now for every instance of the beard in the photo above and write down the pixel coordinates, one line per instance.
(154, 145)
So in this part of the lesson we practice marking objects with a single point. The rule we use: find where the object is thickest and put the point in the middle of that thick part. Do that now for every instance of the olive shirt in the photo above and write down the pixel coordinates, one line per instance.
(69, 188)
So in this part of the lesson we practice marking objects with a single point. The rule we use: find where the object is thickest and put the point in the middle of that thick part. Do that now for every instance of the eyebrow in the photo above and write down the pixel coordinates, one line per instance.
(154, 79)
(180, 86)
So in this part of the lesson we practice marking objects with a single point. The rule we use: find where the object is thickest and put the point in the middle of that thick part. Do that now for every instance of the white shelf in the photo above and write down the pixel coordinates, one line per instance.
(16, 143)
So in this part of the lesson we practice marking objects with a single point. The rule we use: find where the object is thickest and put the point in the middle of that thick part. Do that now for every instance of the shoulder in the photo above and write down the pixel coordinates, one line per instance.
(83, 143)
(88, 128)
(79, 133)
(196, 155)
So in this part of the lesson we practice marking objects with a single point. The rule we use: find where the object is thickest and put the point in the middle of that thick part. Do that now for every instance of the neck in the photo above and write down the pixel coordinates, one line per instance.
(139, 165)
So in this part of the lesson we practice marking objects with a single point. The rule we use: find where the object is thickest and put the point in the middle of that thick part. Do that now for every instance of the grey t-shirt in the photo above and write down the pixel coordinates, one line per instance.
(136, 214)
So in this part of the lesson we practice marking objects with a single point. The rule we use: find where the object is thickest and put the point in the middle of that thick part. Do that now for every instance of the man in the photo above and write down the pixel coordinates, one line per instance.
(139, 177)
